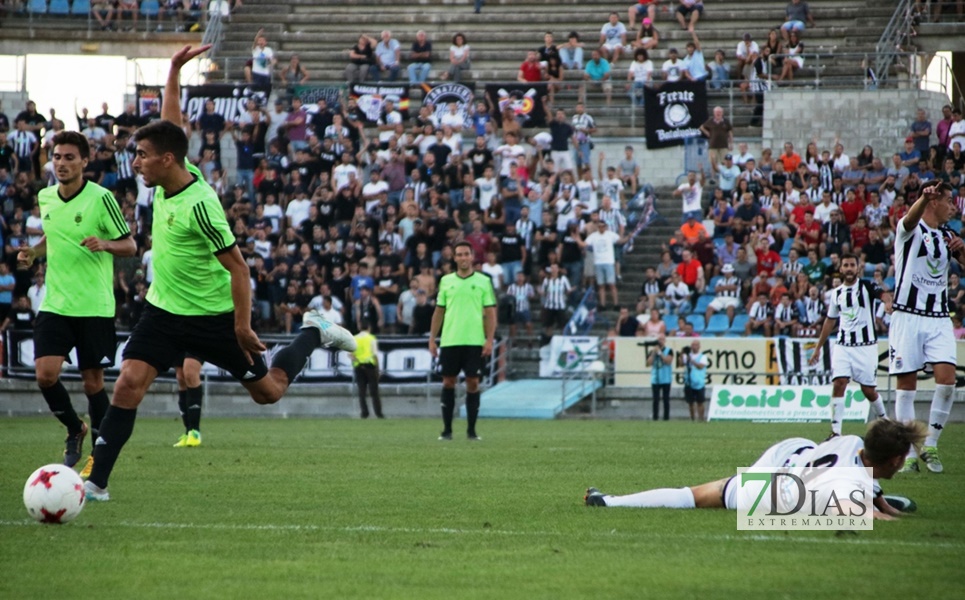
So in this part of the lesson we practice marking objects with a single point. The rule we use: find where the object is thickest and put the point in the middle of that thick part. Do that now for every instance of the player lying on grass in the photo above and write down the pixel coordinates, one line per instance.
(883, 449)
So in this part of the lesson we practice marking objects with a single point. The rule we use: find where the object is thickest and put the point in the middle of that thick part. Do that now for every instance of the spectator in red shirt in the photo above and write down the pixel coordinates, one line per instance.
(768, 263)
(859, 234)
(808, 234)
(479, 240)
(790, 159)
(804, 207)
(530, 71)
(851, 208)
(692, 272)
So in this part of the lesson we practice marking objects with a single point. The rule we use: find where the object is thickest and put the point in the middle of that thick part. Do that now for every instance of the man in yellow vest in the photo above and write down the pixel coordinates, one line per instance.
(366, 363)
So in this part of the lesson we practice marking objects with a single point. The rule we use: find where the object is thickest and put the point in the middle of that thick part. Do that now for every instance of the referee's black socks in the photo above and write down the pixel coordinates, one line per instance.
(472, 412)
(193, 399)
(291, 359)
(59, 402)
(448, 406)
(116, 429)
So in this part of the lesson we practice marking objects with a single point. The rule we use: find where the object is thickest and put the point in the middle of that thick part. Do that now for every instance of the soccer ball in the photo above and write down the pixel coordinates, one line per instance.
(54, 494)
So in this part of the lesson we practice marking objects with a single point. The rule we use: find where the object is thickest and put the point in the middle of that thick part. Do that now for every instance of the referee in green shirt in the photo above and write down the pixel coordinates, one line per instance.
(466, 314)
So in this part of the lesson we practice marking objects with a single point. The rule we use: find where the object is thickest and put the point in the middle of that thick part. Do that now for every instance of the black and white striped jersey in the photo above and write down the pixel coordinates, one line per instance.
(854, 307)
(555, 292)
(720, 292)
(921, 271)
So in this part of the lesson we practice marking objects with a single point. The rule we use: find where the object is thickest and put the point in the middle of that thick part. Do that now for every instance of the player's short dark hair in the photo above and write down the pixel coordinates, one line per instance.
(73, 138)
(166, 137)
(364, 324)
(466, 244)
(848, 255)
(943, 186)
(886, 439)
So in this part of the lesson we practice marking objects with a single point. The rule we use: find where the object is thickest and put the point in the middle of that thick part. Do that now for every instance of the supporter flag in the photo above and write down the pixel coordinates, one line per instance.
(441, 95)
(641, 213)
(793, 356)
(230, 100)
(674, 112)
(526, 100)
(148, 99)
(371, 97)
(311, 94)
(584, 316)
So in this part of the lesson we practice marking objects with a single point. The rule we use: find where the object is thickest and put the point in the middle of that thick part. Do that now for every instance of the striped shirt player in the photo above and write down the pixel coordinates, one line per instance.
(555, 290)
(880, 451)
(921, 332)
(726, 294)
(854, 357)
(24, 143)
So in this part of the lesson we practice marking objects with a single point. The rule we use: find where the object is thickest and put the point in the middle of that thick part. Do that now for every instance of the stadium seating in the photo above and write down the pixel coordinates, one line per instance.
(59, 7)
(740, 321)
(697, 321)
(718, 324)
(37, 7)
(80, 8)
(150, 8)
(703, 302)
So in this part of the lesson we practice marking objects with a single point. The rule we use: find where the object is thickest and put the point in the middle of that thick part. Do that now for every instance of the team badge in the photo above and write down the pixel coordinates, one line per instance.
(78, 217)
(170, 219)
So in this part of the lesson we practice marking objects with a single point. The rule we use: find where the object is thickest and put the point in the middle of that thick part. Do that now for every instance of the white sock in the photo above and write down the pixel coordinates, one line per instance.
(905, 411)
(662, 498)
(837, 414)
(941, 405)
(879, 408)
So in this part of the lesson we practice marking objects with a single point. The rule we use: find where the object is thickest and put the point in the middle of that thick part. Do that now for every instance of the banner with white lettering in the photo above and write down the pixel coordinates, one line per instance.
(441, 95)
(401, 360)
(371, 98)
(566, 354)
(673, 112)
(230, 100)
(311, 94)
(781, 403)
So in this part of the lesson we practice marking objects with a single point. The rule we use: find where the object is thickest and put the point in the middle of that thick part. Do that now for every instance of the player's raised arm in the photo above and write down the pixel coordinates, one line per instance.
(171, 103)
(917, 210)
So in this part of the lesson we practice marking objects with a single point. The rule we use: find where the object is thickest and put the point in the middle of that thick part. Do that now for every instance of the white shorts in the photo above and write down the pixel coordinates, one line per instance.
(857, 363)
(775, 456)
(914, 341)
(724, 302)
(563, 160)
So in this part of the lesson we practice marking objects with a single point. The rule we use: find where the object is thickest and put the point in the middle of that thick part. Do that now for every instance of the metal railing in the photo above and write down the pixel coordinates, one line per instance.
(893, 38)
(581, 380)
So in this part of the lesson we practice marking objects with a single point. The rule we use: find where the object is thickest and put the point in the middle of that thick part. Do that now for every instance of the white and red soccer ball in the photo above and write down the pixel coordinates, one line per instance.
(54, 494)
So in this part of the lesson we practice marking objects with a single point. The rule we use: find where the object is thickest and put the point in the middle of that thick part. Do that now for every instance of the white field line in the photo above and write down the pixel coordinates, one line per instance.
(505, 532)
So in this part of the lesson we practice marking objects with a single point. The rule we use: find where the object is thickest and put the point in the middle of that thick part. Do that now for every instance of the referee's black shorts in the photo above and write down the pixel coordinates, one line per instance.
(454, 359)
(554, 317)
(161, 339)
(94, 338)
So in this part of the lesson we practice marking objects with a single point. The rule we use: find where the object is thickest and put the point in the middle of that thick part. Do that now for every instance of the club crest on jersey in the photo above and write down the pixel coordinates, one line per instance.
(934, 268)
(170, 219)
(78, 217)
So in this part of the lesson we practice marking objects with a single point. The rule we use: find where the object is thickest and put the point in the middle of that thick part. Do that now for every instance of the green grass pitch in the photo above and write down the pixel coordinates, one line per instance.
(312, 508)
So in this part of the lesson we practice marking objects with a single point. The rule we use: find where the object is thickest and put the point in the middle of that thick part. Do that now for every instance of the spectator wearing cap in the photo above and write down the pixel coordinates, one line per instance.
(647, 37)
(747, 53)
(910, 156)
(720, 136)
(727, 175)
(727, 293)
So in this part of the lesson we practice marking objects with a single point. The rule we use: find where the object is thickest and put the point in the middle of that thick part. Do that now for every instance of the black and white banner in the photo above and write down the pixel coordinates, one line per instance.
(311, 94)
(674, 111)
(371, 97)
(526, 100)
(401, 360)
(441, 95)
(230, 100)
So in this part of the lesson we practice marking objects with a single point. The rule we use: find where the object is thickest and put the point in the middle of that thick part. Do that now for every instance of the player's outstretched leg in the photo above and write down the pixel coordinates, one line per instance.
(332, 335)
(941, 406)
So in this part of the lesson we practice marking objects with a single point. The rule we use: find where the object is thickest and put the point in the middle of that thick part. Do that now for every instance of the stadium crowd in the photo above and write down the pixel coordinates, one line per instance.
(357, 221)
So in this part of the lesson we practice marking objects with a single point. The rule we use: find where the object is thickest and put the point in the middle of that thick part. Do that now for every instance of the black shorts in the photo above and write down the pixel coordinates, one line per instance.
(94, 338)
(454, 359)
(553, 317)
(161, 339)
(691, 395)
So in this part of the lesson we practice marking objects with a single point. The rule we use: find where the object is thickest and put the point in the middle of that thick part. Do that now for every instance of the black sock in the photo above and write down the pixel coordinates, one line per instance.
(448, 405)
(292, 358)
(116, 429)
(183, 408)
(194, 398)
(97, 404)
(59, 402)
(472, 412)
